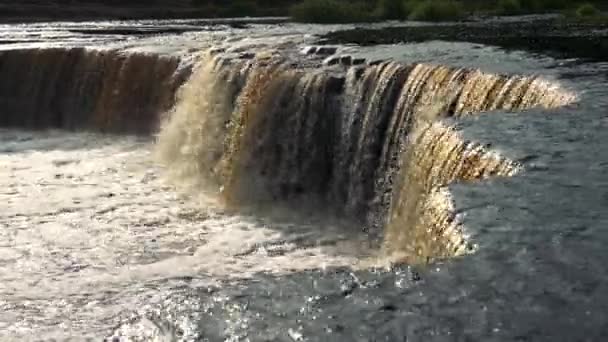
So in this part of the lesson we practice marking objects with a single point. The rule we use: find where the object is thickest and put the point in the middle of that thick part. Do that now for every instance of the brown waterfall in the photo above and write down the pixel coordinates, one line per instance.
(368, 143)
(80, 88)
(436, 156)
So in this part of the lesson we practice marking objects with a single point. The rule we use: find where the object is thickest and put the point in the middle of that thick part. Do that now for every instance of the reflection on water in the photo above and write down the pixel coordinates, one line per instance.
(94, 242)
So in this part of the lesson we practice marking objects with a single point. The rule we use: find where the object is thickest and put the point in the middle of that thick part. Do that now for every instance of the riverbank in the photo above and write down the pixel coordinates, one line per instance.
(85, 10)
(339, 11)
(554, 36)
(97, 244)
(315, 11)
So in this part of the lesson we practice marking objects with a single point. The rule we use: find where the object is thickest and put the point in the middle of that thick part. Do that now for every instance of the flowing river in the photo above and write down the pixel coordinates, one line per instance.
(201, 181)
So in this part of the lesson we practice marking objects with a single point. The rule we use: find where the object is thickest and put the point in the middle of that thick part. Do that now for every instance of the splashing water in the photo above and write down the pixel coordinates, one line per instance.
(365, 144)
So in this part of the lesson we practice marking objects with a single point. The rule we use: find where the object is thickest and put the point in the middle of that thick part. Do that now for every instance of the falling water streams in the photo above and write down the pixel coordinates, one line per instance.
(313, 137)
(248, 160)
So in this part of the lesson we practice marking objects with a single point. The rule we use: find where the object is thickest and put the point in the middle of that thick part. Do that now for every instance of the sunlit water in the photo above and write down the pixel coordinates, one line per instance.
(94, 242)
(86, 218)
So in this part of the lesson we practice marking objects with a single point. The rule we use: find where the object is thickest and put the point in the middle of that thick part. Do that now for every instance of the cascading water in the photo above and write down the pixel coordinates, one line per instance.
(74, 88)
(323, 161)
(365, 143)
(361, 142)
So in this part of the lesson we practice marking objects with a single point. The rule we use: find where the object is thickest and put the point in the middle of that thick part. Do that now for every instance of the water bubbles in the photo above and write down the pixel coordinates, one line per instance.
(295, 335)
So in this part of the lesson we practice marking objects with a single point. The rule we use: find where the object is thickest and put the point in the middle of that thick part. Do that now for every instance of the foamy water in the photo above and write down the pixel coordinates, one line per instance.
(86, 222)
(95, 242)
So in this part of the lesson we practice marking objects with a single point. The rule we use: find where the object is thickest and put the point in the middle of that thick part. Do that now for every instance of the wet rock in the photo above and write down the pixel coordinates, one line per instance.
(348, 286)
(375, 62)
(346, 60)
(332, 60)
(358, 61)
(309, 50)
(216, 51)
(560, 38)
(326, 50)
(247, 55)
(238, 25)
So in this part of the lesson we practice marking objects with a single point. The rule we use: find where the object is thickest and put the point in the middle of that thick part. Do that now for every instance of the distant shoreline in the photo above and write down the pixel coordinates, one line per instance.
(83, 10)
(11, 14)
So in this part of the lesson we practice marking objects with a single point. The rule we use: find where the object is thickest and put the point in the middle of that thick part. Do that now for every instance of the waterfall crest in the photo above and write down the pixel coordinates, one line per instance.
(362, 142)
(367, 142)
(75, 88)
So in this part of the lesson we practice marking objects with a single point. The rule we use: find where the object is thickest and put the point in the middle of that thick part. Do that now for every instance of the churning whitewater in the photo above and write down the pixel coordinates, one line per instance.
(261, 131)
(257, 160)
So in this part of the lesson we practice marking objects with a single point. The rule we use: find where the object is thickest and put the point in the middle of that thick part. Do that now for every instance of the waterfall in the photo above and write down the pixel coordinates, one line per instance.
(436, 156)
(367, 143)
(78, 88)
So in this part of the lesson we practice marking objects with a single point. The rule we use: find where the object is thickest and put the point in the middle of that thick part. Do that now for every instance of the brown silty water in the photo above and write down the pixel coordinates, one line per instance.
(77, 88)
(357, 158)
(368, 142)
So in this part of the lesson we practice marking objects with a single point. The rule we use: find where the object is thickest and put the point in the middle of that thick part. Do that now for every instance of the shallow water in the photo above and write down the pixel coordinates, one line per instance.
(95, 243)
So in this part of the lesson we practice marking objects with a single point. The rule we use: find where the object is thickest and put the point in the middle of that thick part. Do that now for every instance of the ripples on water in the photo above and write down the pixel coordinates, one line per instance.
(95, 242)
(87, 223)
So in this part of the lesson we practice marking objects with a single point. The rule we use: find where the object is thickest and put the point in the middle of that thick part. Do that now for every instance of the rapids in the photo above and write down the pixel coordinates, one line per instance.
(244, 184)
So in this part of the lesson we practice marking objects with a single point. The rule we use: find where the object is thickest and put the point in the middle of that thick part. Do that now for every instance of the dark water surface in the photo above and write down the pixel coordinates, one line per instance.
(94, 244)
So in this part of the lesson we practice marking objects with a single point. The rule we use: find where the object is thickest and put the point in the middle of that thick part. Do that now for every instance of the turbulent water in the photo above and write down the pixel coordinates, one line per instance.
(93, 210)
(251, 159)
(264, 131)
(79, 88)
